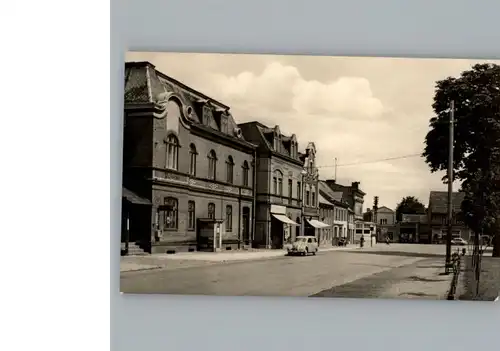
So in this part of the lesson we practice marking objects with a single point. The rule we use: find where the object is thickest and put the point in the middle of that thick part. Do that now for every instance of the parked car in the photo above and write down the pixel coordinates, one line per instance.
(304, 245)
(458, 241)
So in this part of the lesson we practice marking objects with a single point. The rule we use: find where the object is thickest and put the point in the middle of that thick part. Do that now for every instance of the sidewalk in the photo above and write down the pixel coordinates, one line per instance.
(425, 280)
(190, 259)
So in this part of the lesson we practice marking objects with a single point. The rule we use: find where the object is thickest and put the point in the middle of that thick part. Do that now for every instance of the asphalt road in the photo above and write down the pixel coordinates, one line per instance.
(358, 273)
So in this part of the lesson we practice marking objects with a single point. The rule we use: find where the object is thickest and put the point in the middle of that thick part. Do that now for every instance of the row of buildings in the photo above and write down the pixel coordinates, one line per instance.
(194, 179)
(427, 228)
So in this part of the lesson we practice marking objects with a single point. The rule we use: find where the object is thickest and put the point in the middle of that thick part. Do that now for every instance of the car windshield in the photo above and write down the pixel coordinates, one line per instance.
(300, 240)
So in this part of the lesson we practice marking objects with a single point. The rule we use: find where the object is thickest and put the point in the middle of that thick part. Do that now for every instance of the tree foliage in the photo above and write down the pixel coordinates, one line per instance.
(409, 205)
(476, 94)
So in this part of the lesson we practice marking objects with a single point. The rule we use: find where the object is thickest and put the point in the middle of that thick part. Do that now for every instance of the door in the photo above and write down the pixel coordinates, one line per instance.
(246, 225)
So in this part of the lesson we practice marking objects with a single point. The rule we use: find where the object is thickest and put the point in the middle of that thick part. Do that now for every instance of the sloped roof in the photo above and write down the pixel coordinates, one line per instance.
(329, 193)
(438, 201)
(145, 84)
(324, 201)
(385, 208)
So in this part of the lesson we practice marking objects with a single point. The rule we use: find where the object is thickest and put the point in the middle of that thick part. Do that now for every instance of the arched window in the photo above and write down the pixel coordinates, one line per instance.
(245, 173)
(211, 210)
(172, 152)
(279, 182)
(170, 213)
(212, 164)
(192, 158)
(229, 169)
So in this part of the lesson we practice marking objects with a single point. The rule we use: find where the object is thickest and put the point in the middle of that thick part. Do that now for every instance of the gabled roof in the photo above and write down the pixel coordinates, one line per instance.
(438, 201)
(385, 208)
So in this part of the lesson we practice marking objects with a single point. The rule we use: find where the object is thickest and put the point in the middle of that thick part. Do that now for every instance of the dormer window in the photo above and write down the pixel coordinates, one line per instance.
(223, 124)
(207, 113)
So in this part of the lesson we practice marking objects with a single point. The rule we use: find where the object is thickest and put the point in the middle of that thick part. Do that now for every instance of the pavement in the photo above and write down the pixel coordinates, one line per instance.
(383, 271)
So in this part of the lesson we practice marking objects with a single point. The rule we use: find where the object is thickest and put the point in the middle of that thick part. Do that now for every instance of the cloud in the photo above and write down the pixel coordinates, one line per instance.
(281, 89)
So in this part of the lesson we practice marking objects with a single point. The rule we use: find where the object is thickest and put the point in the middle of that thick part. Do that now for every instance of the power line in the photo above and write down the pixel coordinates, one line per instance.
(373, 161)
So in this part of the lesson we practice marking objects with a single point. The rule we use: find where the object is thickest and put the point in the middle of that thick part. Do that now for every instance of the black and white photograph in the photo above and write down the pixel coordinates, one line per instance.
(310, 176)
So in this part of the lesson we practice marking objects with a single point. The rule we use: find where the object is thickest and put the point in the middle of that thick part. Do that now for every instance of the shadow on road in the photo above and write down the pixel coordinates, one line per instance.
(396, 253)
(420, 279)
(417, 294)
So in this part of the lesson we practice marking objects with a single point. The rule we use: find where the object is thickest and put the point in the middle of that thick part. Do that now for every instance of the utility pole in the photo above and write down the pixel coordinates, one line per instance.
(335, 169)
(450, 187)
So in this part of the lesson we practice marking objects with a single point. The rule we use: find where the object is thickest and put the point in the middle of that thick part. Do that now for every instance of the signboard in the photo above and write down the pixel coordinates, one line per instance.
(278, 209)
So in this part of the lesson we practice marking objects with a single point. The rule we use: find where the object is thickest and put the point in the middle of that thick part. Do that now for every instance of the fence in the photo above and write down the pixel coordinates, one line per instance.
(476, 258)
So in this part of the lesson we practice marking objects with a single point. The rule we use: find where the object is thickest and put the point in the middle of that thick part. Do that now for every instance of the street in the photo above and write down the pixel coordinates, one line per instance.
(384, 271)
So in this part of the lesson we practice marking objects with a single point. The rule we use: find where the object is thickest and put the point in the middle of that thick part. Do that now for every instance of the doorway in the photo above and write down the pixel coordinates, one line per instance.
(276, 233)
(246, 225)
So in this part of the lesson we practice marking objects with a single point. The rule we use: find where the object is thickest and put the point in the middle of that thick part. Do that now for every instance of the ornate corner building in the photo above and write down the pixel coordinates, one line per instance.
(188, 171)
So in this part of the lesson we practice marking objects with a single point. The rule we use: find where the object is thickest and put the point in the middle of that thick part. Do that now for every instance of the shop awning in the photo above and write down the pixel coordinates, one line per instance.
(133, 198)
(317, 224)
(284, 219)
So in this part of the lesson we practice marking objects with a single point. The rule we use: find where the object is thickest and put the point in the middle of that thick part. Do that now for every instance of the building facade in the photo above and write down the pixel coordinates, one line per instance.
(311, 223)
(438, 217)
(413, 228)
(327, 216)
(184, 152)
(278, 185)
(386, 222)
(352, 194)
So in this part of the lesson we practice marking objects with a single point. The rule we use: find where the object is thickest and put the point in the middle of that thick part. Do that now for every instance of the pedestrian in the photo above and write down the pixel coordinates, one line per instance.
(362, 241)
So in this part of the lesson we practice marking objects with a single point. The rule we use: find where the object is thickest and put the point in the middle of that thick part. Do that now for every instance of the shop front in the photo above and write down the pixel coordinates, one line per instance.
(281, 227)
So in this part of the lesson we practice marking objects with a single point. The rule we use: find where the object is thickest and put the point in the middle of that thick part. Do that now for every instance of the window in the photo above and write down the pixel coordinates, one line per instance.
(313, 200)
(229, 218)
(191, 215)
(223, 123)
(229, 170)
(299, 191)
(192, 157)
(245, 173)
(278, 182)
(307, 197)
(172, 152)
(290, 189)
(211, 210)
(170, 217)
(383, 221)
(212, 164)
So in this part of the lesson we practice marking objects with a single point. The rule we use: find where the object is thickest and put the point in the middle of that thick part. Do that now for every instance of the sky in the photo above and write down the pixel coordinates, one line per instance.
(359, 110)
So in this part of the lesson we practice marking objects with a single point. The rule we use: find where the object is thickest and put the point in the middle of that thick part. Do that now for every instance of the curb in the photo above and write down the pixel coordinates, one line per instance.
(141, 269)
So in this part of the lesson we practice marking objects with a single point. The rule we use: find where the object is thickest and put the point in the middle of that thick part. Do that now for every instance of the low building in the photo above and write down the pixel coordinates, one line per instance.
(352, 194)
(413, 228)
(327, 216)
(184, 155)
(437, 215)
(340, 212)
(386, 222)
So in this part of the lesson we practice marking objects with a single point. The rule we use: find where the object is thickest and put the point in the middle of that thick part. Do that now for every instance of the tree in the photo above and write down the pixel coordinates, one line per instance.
(476, 94)
(409, 205)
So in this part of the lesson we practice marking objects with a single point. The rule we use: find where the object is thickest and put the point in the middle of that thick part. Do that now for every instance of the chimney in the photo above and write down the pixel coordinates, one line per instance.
(355, 185)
